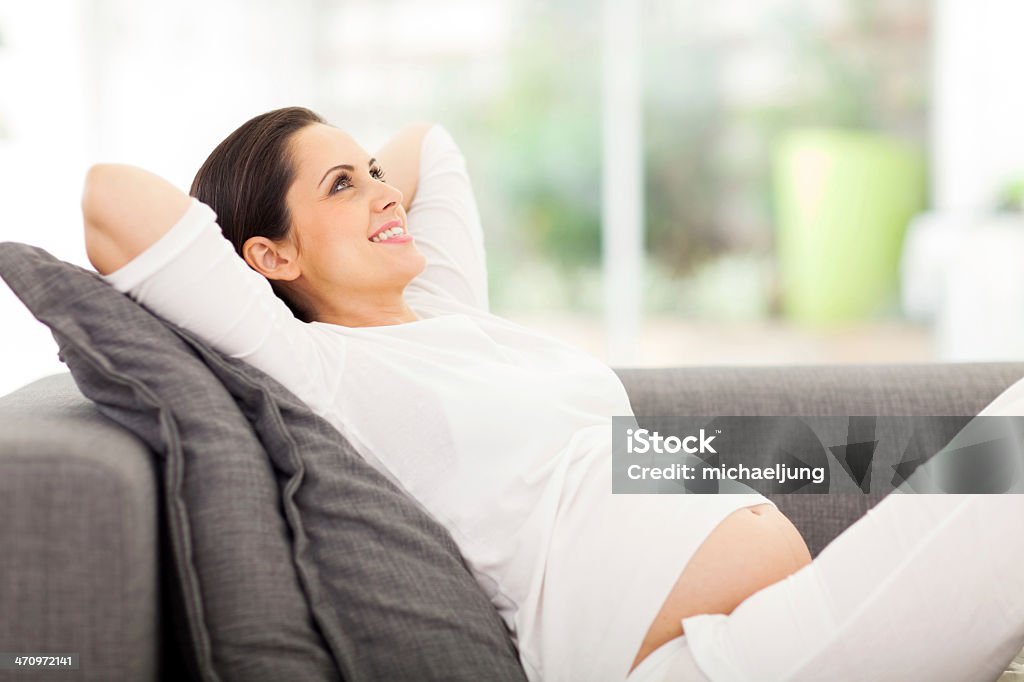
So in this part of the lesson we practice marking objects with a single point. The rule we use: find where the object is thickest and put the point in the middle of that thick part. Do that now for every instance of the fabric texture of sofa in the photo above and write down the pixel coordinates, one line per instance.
(79, 568)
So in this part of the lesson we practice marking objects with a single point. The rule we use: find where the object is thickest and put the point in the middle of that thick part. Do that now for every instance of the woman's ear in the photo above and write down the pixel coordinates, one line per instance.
(270, 259)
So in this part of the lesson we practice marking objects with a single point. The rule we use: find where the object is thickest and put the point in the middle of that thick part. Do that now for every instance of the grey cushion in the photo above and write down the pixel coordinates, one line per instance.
(236, 600)
(294, 558)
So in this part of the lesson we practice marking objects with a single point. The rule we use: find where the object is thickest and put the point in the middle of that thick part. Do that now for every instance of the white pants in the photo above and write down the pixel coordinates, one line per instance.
(923, 587)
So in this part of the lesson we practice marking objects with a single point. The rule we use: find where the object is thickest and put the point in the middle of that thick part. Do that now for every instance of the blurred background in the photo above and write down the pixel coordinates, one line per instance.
(662, 182)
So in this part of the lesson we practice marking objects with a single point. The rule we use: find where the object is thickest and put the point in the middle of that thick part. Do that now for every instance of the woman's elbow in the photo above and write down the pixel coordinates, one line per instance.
(100, 246)
(94, 179)
(126, 209)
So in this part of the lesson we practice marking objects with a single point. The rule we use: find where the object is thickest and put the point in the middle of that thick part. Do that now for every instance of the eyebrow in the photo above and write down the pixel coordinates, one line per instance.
(343, 166)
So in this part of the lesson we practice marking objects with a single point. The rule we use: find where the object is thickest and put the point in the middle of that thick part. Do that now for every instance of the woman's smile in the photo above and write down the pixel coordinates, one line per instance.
(392, 231)
(397, 239)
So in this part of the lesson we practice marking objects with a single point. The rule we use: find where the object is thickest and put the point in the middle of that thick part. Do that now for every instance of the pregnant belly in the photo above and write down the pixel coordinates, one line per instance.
(749, 550)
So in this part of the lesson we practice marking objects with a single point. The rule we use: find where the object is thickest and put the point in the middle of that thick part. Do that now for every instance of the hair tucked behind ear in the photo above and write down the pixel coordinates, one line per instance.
(246, 178)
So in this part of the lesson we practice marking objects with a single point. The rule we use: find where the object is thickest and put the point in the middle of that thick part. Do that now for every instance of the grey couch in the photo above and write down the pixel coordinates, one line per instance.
(79, 520)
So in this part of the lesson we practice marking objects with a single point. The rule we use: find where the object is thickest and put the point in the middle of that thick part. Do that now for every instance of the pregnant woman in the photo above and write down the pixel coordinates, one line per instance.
(359, 283)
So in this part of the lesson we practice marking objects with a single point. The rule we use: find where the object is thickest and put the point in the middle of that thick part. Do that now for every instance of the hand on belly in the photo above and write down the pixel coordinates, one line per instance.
(749, 550)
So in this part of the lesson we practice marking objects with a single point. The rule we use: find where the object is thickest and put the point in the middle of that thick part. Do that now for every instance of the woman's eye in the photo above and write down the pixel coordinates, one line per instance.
(344, 181)
(340, 183)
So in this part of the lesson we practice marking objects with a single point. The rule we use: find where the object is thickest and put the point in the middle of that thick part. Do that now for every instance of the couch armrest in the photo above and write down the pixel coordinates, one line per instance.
(927, 389)
(78, 535)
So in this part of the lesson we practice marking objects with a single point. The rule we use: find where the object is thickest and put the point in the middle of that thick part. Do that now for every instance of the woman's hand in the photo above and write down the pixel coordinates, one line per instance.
(125, 210)
(400, 159)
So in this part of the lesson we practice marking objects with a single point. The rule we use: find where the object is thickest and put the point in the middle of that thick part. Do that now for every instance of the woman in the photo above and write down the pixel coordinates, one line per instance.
(362, 288)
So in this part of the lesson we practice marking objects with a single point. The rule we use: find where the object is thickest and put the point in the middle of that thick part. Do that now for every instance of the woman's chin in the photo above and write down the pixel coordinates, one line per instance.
(417, 263)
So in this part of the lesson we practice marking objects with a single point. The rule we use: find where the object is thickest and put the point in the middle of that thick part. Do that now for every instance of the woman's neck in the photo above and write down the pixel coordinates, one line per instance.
(380, 315)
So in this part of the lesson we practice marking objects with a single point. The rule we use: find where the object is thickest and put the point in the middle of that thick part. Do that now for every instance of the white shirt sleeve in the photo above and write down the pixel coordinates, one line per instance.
(192, 277)
(445, 222)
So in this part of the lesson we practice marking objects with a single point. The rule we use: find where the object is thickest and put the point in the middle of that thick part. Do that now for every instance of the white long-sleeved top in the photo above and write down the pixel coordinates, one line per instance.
(501, 433)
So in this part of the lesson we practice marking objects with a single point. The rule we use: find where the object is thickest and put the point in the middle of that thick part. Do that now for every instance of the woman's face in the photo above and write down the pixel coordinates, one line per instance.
(338, 201)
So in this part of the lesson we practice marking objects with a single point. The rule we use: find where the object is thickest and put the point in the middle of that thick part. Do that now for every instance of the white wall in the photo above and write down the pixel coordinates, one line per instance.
(41, 161)
(978, 101)
(978, 147)
(152, 84)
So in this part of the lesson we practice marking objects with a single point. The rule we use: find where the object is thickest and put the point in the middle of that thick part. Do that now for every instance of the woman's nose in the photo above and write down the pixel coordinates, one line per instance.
(389, 197)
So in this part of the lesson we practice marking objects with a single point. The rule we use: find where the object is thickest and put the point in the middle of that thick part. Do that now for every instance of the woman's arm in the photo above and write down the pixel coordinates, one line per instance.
(400, 159)
(125, 210)
(164, 249)
(445, 221)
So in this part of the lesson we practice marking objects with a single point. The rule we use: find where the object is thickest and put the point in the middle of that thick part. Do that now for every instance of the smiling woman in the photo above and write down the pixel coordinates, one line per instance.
(304, 225)
(307, 237)
(505, 432)
(306, 207)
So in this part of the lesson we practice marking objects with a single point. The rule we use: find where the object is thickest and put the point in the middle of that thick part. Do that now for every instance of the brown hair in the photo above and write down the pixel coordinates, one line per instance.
(246, 178)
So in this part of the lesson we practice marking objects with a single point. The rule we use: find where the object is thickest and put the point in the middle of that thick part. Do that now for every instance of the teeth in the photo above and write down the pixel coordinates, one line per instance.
(387, 234)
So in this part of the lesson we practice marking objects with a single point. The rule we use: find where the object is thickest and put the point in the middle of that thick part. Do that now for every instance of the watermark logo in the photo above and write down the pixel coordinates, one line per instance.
(641, 441)
(784, 455)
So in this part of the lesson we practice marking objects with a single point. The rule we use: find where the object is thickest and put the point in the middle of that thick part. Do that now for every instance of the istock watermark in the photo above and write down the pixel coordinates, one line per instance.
(642, 441)
(816, 455)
